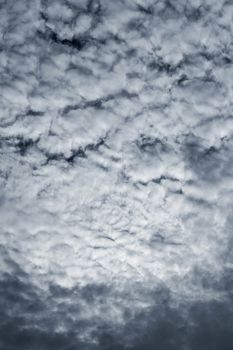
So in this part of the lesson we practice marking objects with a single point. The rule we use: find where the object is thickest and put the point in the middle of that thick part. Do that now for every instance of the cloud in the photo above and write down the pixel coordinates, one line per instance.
(115, 174)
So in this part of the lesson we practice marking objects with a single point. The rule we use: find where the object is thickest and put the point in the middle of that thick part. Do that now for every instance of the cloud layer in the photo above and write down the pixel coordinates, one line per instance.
(116, 174)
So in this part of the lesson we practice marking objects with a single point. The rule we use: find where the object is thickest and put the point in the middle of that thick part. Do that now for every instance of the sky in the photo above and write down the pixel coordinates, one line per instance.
(116, 169)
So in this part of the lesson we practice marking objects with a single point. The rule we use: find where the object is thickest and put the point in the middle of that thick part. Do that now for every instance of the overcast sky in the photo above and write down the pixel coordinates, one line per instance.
(116, 165)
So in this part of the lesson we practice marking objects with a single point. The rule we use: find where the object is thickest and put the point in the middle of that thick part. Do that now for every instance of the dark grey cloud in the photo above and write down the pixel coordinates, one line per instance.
(28, 322)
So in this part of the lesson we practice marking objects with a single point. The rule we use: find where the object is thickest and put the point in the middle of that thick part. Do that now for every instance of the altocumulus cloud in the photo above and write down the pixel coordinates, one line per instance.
(116, 175)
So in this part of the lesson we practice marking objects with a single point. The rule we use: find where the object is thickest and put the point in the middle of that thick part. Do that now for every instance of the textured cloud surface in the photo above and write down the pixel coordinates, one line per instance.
(116, 165)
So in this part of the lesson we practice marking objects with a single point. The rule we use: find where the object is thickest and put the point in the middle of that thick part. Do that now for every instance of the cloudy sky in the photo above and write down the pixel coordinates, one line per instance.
(116, 175)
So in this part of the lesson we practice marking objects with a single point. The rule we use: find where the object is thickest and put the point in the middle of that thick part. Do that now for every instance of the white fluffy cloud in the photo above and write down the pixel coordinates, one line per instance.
(116, 149)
